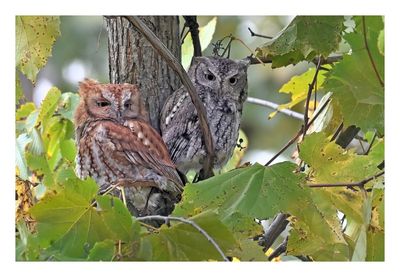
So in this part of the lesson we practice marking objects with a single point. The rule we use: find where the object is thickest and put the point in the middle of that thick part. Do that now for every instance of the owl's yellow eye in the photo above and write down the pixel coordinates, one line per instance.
(103, 103)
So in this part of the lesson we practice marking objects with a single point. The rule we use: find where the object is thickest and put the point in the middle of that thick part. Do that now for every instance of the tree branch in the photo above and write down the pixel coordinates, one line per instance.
(191, 23)
(277, 226)
(328, 60)
(274, 106)
(369, 53)
(258, 35)
(358, 184)
(290, 142)
(177, 67)
(279, 250)
(310, 89)
(166, 219)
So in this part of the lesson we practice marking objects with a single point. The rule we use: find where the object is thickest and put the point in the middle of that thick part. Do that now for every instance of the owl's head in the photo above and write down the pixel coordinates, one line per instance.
(109, 101)
(225, 77)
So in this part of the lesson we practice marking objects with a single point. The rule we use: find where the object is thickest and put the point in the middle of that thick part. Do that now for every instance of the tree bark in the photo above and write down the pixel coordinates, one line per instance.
(133, 60)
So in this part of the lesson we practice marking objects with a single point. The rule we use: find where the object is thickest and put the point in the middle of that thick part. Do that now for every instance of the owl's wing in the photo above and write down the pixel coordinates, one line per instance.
(141, 145)
(178, 122)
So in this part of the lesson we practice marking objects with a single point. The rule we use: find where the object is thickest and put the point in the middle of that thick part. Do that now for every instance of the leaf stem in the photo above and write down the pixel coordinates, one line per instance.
(369, 53)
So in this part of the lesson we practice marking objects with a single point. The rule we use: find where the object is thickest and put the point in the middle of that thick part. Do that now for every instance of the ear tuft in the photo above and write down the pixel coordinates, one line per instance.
(87, 85)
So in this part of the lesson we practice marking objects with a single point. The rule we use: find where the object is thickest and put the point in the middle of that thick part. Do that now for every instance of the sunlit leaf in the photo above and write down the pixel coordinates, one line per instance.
(24, 110)
(68, 149)
(303, 39)
(35, 36)
(206, 33)
(297, 87)
(67, 105)
(238, 154)
(40, 165)
(48, 106)
(20, 161)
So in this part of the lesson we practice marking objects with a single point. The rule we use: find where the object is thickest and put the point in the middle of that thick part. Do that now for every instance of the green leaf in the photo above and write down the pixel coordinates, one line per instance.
(68, 104)
(69, 223)
(249, 250)
(19, 92)
(40, 165)
(303, 39)
(381, 42)
(36, 147)
(68, 149)
(261, 192)
(35, 36)
(27, 246)
(182, 242)
(102, 251)
(375, 233)
(206, 34)
(24, 110)
(48, 106)
(354, 82)
(20, 161)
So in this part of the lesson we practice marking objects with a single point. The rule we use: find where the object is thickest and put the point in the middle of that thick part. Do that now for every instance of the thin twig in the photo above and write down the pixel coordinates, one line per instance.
(290, 142)
(274, 106)
(337, 132)
(166, 219)
(328, 60)
(258, 35)
(177, 67)
(371, 143)
(191, 23)
(358, 184)
(369, 53)
(279, 250)
(310, 89)
(277, 226)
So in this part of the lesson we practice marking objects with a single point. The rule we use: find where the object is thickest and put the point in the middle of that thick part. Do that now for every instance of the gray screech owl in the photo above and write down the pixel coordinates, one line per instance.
(221, 84)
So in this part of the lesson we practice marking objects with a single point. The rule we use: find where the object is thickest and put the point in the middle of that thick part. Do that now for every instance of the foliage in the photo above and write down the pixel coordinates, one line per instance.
(35, 36)
(73, 222)
(305, 38)
(355, 83)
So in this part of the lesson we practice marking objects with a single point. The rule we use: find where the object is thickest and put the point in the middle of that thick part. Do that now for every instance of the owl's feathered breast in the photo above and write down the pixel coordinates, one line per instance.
(109, 152)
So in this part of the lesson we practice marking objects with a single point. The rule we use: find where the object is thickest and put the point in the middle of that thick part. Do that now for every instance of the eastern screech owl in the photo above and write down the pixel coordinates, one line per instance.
(116, 146)
(222, 87)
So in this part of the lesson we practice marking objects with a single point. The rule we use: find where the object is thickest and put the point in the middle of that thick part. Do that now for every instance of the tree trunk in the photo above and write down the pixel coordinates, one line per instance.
(133, 60)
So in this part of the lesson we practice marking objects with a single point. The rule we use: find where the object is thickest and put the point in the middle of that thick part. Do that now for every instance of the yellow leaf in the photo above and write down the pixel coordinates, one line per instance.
(206, 34)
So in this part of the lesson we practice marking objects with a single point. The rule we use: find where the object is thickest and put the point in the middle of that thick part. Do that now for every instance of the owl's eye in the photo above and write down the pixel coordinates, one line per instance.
(210, 77)
(127, 105)
(233, 80)
(103, 103)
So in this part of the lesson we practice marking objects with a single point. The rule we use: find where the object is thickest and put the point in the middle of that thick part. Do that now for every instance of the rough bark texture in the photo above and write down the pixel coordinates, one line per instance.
(133, 60)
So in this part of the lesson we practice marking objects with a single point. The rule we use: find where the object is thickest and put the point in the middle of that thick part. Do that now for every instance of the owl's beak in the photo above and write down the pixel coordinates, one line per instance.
(119, 114)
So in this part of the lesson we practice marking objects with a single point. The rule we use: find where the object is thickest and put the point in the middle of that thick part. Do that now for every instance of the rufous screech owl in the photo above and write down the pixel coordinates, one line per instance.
(117, 147)
(221, 84)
